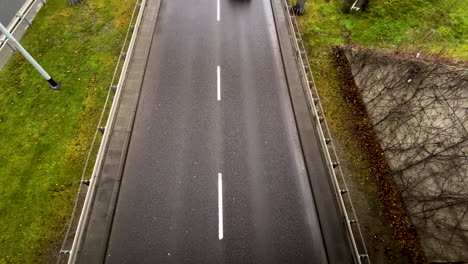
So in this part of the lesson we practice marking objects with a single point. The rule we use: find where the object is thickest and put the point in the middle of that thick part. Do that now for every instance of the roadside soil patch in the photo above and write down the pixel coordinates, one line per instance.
(387, 189)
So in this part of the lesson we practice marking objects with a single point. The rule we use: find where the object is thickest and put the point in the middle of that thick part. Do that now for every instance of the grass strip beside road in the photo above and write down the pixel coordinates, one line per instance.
(426, 26)
(45, 135)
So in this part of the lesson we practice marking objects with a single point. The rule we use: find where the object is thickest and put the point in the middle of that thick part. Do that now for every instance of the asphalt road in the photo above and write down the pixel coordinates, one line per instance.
(8, 9)
(215, 172)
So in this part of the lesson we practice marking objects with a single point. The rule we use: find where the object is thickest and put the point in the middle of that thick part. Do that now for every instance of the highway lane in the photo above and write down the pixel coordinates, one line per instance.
(193, 129)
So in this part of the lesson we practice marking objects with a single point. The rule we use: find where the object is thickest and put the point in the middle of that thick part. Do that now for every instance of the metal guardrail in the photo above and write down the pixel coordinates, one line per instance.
(16, 22)
(92, 182)
(345, 203)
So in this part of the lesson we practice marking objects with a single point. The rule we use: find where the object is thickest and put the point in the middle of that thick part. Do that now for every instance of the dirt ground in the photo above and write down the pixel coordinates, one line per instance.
(377, 233)
(387, 227)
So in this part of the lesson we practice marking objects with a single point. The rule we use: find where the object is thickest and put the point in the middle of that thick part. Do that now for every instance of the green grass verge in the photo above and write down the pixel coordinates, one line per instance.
(45, 135)
(428, 26)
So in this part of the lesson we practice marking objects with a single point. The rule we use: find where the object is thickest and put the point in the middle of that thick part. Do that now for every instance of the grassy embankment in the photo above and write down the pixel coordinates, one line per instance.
(429, 27)
(44, 134)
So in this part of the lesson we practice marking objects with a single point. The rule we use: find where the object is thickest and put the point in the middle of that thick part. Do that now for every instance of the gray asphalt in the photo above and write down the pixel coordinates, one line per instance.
(8, 9)
(167, 209)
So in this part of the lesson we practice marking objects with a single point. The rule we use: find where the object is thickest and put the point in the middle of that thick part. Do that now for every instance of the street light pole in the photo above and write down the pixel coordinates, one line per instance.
(53, 84)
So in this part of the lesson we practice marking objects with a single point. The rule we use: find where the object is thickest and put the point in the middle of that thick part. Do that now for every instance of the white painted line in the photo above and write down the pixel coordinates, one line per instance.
(220, 205)
(219, 13)
(219, 83)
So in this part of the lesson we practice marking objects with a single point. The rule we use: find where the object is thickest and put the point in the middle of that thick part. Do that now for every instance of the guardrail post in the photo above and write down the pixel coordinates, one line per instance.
(86, 182)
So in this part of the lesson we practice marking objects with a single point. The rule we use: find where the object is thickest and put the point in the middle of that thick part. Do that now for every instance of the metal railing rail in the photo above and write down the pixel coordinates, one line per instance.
(16, 22)
(345, 203)
(117, 89)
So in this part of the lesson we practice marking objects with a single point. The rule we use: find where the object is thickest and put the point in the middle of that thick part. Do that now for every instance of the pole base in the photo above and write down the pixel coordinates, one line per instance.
(56, 87)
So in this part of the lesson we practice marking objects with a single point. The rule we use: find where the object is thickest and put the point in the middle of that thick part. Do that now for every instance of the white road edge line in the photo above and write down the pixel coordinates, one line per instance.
(219, 83)
(220, 205)
(218, 12)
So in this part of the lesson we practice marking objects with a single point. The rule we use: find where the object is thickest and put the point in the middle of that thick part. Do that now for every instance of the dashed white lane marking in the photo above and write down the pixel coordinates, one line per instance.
(220, 205)
(218, 12)
(219, 83)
